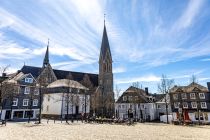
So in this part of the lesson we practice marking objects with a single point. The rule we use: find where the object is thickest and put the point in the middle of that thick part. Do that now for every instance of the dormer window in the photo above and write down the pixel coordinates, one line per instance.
(201, 95)
(28, 80)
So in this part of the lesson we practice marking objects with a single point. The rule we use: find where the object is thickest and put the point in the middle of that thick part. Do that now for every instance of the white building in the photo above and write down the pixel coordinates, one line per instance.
(65, 97)
(139, 102)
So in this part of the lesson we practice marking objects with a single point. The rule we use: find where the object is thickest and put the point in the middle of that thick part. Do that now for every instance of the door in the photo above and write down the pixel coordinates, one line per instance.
(77, 110)
(8, 114)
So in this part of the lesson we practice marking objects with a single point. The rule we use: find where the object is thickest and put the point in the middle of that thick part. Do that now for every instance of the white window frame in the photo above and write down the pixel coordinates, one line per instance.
(203, 103)
(200, 95)
(194, 105)
(175, 96)
(124, 98)
(176, 104)
(185, 105)
(25, 101)
(15, 102)
(27, 90)
(184, 96)
(29, 80)
(192, 97)
(35, 102)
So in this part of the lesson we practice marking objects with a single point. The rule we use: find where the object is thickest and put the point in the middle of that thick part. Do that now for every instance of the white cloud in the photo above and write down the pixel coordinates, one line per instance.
(189, 15)
(146, 78)
(119, 69)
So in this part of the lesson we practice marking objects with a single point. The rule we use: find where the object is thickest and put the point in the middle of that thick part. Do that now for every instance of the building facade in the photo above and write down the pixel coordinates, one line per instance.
(190, 103)
(138, 102)
(20, 97)
(66, 98)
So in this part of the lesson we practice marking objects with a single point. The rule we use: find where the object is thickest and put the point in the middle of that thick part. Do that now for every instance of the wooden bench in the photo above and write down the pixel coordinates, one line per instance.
(3, 122)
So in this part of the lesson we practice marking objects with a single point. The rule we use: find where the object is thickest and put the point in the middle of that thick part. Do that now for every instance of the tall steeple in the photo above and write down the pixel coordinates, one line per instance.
(105, 49)
(105, 77)
(46, 58)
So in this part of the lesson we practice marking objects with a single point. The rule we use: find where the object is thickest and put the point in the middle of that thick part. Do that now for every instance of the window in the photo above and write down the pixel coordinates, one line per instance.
(203, 105)
(36, 91)
(185, 105)
(35, 102)
(25, 102)
(201, 95)
(192, 95)
(194, 105)
(27, 90)
(124, 98)
(184, 96)
(176, 105)
(15, 102)
(123, 106)
(130, 98)
(175, 96)
(158, 106)
(28, 80)
(131, 106)
(143, 106)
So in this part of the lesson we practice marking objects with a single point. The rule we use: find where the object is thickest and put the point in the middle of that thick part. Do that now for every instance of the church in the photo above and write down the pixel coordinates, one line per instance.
(100, 85)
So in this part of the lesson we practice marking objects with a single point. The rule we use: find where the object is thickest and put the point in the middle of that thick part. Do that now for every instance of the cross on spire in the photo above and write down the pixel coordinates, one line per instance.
(104, 19)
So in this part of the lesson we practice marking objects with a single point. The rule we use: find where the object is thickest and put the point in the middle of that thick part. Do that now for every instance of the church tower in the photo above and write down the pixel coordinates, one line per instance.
(105, 78)
(47, 74)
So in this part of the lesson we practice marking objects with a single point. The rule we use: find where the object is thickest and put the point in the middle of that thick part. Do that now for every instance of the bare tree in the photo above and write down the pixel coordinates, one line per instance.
(87, 83)
(164, 86)
(9, 93)
(34, 91)
(137, 99)
(117, 93)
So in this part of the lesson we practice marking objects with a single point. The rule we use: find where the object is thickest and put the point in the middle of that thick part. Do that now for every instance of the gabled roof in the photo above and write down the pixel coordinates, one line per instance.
(61, 74)
(133, 91)
(190, 88)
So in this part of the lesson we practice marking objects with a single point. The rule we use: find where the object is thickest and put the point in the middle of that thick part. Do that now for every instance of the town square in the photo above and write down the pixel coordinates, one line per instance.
(104, 69)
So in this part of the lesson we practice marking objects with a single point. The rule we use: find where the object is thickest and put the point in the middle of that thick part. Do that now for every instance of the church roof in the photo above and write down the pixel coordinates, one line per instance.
(66, 83)
(61, 74)
(104, 45)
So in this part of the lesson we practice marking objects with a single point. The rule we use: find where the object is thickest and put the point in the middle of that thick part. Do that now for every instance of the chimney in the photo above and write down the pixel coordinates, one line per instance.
(208, 85)
(146, 90)
(4, 74)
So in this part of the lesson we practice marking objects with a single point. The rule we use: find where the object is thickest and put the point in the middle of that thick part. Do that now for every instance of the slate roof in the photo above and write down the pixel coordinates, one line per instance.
(105, 44)
(132, 91)
(189, 88)
(61, 74)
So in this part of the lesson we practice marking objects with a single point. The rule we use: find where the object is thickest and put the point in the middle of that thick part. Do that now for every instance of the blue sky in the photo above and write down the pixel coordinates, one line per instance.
(148, 38)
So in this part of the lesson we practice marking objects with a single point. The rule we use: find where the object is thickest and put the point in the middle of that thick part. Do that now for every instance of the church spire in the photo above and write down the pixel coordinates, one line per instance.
(46, 58)
(105, 43)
